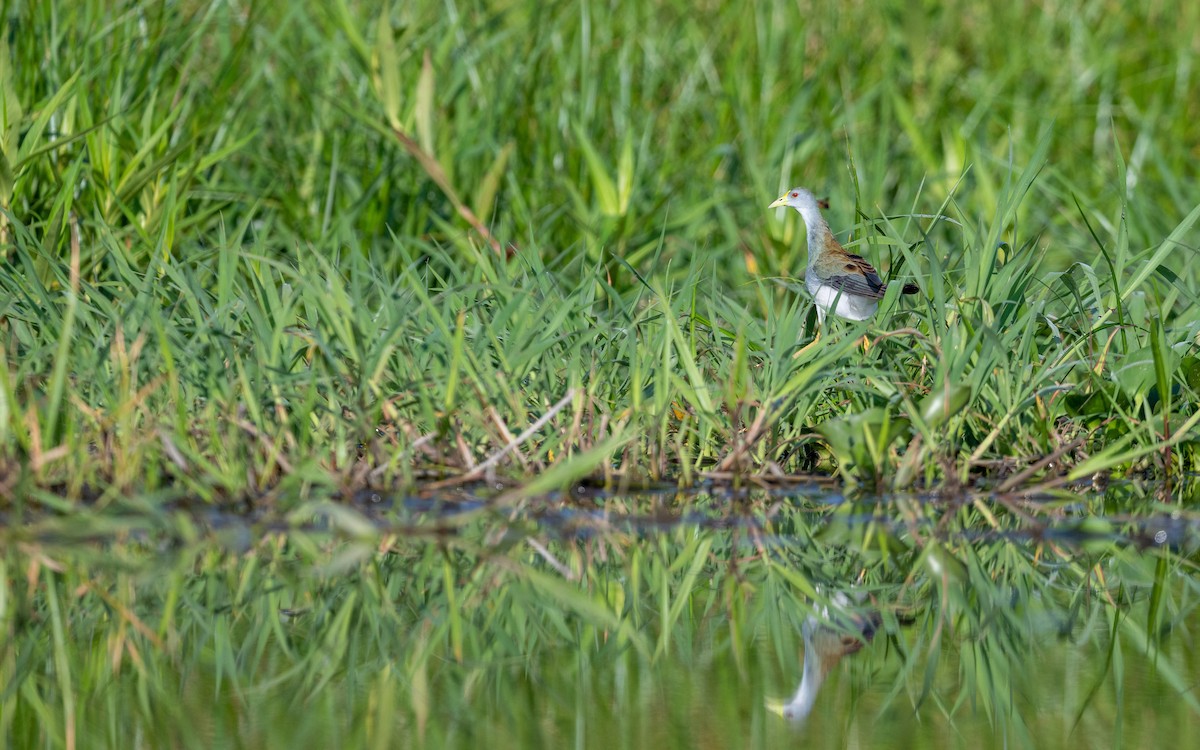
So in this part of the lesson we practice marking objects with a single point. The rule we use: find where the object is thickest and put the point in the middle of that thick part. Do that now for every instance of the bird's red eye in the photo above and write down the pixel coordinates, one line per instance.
(795, 195)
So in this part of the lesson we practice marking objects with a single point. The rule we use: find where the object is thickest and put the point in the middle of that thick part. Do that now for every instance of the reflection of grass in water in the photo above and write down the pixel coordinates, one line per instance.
(679, 635)
(225, 272)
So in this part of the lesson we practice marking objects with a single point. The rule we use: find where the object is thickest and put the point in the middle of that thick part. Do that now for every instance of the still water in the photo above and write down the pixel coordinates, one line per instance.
(653, 620)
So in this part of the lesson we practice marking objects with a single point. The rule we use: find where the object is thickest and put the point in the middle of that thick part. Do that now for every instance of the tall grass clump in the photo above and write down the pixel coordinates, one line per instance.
(295, 248)
(328, 330)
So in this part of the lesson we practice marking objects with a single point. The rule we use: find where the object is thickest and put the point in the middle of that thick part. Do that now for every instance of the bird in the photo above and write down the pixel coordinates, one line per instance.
(827, 639)
(840, 282)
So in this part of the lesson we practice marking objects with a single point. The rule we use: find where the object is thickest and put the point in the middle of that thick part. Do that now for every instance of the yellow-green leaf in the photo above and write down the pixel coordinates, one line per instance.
(602, 183)
(387, 80)
(485, 197)
(424, 111)
(625, 169)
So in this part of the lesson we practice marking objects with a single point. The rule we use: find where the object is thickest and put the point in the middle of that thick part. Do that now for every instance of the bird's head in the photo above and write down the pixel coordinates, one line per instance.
(799, 198)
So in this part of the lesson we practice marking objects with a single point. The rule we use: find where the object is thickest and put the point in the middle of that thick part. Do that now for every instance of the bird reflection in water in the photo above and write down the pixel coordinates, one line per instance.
(835, 631)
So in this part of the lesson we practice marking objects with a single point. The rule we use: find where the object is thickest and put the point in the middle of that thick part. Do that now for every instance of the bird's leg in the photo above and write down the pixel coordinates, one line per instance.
(820, 323)
(800, 352)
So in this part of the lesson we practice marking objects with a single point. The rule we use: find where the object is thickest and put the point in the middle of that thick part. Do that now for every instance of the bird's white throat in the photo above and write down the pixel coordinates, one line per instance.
(814, 223)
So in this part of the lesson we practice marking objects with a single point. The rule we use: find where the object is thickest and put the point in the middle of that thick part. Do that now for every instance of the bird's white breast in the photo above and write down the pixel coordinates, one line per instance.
(842, 304)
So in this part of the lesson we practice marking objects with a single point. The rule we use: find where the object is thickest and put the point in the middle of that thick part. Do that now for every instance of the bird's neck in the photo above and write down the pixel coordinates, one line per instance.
(814, 675)
(818, 231)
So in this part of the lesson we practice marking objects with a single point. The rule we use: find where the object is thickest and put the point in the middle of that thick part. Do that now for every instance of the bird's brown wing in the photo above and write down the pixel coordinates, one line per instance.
(857, 277)
(861, 278)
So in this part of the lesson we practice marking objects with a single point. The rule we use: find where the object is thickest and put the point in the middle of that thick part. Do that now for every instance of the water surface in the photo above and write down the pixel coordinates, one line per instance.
(589, 620)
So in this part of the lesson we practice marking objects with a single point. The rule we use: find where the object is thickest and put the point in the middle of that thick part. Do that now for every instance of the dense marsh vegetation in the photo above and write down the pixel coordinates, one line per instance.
(311, 311)
(237, 258)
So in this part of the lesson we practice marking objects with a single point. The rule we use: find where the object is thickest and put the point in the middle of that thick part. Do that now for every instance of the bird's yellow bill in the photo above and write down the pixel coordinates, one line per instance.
(781, 202)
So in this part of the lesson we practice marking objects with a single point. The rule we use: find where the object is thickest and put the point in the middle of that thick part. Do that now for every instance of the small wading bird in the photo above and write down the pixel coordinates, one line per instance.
(840, 282)
(826, 640)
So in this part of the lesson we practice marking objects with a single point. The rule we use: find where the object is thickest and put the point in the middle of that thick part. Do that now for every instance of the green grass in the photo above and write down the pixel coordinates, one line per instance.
(262, 261)
(264, 248)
